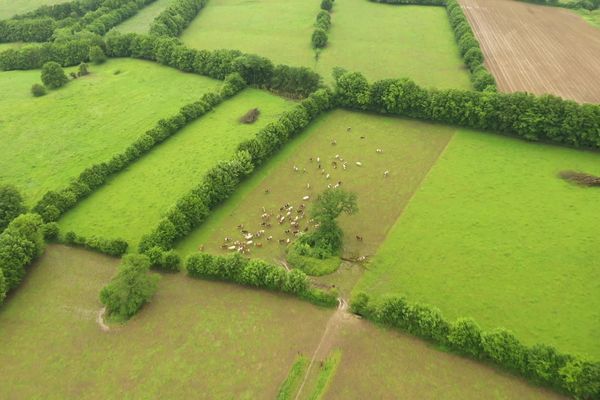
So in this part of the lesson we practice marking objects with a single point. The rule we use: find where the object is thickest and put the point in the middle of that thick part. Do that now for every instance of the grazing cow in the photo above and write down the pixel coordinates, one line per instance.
(348, 129)
(386, 173)
(227, 239)
(267, 191)
(362, 137)
(327, 176)
(358, 163)
(231, 248)
(240, 226)
(270, 238)
(334, 164)
(296, 169)
(308, 185)
(306, 198)
(337, 156)
(257, 244)
(333, 142)
(344, 165)
(281, 241)
(379, 151)
(359, 238)
(318, 159)
(224, 246)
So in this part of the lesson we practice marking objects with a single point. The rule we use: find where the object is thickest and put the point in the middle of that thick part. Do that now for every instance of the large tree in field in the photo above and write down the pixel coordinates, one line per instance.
(327, 239)
(11, 205)
(53, 75)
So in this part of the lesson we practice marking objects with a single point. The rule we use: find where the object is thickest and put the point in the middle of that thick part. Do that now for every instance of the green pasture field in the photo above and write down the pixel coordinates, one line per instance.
(196, 339)
(592, 17)
(380, 363)
(48, 140)
(406, 41)
(416, 42)
(495, 235)
(409, 149)
(8, 8)
(131, 203)
(140, 22)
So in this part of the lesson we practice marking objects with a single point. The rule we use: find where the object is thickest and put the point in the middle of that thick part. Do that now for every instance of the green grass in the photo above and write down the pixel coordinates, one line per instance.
(132, 203)
(412, 41)
(195, 339)
(51, 139)
(8, 8)
(394, 41)
(495, 235)
(140, 23)
(380, 363)
(592, 17)
(292, 381)
(409, 149)
(326, 373)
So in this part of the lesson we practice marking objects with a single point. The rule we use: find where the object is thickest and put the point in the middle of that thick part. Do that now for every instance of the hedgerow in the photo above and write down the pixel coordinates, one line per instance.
(537, 118)
(221, 181)
(20, 243)
(176, 17)
(259, 274)
(319, 37)
(540, 363)
(111, 247)
(55, 203)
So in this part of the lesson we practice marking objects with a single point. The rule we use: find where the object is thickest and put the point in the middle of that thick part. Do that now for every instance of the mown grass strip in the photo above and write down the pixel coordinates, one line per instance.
(326, 372)
(291, 383)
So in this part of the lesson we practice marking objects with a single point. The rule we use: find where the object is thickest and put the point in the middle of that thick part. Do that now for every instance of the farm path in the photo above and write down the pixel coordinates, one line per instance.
(537, 49)
(340, 318)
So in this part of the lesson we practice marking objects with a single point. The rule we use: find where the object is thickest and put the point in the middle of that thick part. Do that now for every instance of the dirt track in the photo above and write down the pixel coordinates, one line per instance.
(537, 49)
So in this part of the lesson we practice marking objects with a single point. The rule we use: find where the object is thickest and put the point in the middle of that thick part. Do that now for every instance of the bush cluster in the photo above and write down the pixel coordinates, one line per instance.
(11, 205)
(54, 203)
(20, 243)
(547, 118)
(112, 247)
(130, 289)
(257, 273)
(27, 30)
(541, 363)
(221, 180)
(585, 4)
(110, 14)
(176, 17)
(53, 75)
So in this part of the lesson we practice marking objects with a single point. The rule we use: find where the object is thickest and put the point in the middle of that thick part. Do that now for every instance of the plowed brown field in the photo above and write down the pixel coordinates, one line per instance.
(537, 49)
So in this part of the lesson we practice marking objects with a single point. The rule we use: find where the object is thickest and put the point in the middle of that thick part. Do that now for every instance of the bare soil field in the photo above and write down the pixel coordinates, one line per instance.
(537, 49)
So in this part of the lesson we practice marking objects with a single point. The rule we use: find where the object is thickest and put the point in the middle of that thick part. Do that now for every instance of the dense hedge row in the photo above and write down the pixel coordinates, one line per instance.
(20, 243)
(112, 247)
(54, 203)
(176, 17)
(545, 118)
(257, 273)
(221, 180)
(319, 37)
(109, 15)
(586, 4)
(72, 9)
(540, 363)
(27, 30)
(467, 43)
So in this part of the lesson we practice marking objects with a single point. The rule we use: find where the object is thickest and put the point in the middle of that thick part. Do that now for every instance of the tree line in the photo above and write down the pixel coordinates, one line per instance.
(319, 37)
(221, 181)
(536, 118)
(176, 17)
(539, 363)
(257, 273)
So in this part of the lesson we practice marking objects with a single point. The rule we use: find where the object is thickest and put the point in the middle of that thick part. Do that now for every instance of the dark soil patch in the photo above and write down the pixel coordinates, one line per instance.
(250, 117)
(580, 178)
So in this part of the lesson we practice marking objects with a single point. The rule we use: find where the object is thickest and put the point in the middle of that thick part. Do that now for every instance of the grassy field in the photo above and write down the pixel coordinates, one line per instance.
(50, 139)
(196, 339)
(8, 8)
(394, 41)
(132, 203)
(409, 150)
(379, 363)
(412, 41)
(495, 235)
(140, 23)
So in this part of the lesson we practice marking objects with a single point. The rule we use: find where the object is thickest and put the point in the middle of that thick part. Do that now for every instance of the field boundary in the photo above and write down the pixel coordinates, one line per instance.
(468, 45)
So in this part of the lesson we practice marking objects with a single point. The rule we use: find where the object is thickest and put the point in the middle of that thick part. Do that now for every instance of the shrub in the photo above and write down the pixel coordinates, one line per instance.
(97, 56)
(174, 19)
(323, 20)
(11, 205)
(465, 336)
(319, 38)
(20, 243)
(327, 5)
(53, 75)
(38, 90)
(130, 289)
(50, 231)
(83, 69)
